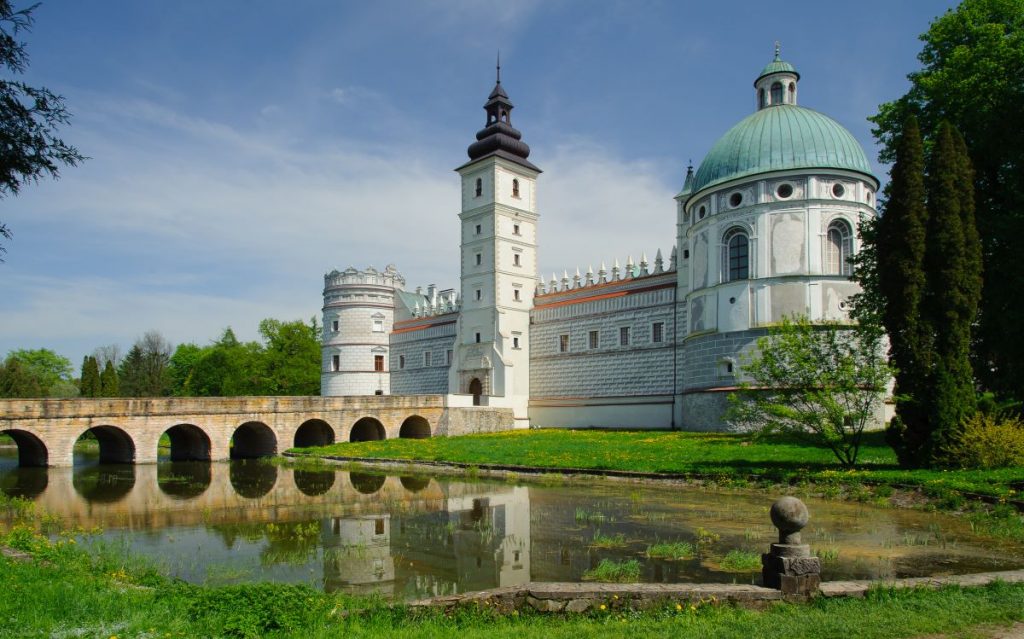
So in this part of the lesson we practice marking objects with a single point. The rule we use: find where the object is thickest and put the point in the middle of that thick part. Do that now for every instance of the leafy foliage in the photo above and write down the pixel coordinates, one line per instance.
(36, 372)
(253, 610)
(988, 440)
(823, 382)
(29, 116)
(972, 76)
(144, 371)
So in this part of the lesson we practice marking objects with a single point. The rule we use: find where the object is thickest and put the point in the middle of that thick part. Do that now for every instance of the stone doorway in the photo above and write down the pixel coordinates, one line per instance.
(476, 389)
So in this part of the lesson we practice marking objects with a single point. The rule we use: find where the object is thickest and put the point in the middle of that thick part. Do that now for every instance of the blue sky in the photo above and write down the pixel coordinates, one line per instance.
(240, 150)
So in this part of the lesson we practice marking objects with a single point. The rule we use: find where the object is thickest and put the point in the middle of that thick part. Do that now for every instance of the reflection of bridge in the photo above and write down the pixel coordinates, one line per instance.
(218, 428)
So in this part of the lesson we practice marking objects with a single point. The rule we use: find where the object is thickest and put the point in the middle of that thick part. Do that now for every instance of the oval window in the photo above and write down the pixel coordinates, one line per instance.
(735, 199)
(784, 190)
(702, 212)
(838, 190)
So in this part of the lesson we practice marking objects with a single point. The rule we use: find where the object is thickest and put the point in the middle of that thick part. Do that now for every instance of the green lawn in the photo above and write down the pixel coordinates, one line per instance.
(719, 456)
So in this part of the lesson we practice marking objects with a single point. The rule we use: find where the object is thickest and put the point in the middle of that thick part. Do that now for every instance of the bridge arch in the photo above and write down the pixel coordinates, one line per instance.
(252, 479)
(183, 479)
(313, 432)
(103, 485)
(415, 427)
(188, 443)
(31, 450)
(367, 429)
(313, 483)
(253, 439)
(367, 483)
(115, 444)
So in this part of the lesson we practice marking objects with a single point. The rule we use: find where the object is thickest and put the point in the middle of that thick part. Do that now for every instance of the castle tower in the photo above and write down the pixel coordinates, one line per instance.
(358, 315)
(766, 229)
(499, 263)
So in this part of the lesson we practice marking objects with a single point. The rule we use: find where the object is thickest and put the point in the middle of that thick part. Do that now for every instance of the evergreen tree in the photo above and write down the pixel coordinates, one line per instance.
(18, 380)
(109, 383)
(145, 370)
(954, 287)
(89, 385)
(899, 248)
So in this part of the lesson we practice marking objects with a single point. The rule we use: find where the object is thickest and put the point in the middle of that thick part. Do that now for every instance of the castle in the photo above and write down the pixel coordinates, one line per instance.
(765, 230)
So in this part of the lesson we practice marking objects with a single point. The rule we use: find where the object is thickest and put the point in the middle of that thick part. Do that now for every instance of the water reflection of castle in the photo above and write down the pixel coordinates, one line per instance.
(473, 542)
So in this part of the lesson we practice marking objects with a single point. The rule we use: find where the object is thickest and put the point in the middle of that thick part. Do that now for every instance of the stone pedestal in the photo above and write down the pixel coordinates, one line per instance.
(789, 566)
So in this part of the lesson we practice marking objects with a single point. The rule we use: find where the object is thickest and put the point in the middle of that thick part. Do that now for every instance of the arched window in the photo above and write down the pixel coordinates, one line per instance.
(792, 93)
(760, 99)
(479, 187)
(838, 248)
(735, 255)
(777, 93)
(515, 188)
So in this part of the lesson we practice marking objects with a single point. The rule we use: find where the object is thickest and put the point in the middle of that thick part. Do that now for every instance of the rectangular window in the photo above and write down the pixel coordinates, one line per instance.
(516, 259)
(448, 357)
(479, 295)
(401, 361)
(623, 336)
(335, 362)
(378, 527)
(515, 229)
(426, 358)
(478, 229)
(594, 339)
(378, 326)
(479, 259)
(563, 343)
(658, 332)
(515, 343)
(378, 363)
(334, 326)
(515, 295)
(478, 338)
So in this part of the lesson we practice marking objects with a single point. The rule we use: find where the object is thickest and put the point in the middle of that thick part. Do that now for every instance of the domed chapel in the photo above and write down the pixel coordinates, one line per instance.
(766, 226)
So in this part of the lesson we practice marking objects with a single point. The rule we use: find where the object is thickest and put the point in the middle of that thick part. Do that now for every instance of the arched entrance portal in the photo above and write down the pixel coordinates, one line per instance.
(253, 439)
(115, 445)
(31, 450)
(314, 432)
(415, 427)
(367, 429)
(476, 389)
(188, 443)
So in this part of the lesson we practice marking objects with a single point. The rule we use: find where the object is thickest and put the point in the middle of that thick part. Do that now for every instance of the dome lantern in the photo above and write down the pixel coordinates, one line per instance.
(776, 84)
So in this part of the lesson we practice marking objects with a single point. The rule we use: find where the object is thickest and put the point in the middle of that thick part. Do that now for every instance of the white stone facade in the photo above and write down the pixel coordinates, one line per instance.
(651, 345)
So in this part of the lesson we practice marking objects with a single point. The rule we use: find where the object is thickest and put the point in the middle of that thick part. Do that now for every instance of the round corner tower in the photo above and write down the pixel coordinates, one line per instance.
(358, 315)
(766, 229)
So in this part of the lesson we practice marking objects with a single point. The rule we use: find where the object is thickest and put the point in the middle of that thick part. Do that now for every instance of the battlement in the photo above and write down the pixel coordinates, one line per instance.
(368, 276)
(632, 271)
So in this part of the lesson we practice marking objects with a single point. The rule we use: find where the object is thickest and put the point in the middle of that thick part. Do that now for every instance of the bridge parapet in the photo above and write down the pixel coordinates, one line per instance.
(215, 428)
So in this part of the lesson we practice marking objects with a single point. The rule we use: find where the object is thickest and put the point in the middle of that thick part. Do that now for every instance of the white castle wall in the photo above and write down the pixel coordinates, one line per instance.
(417, 378)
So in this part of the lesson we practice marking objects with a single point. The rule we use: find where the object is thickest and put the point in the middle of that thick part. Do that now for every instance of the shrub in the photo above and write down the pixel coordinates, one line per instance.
(253, 610)
(988, 440)
(615, 571)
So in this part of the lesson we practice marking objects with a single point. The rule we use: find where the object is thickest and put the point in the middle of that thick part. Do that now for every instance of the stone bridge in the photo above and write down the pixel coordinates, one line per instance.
(219, 428)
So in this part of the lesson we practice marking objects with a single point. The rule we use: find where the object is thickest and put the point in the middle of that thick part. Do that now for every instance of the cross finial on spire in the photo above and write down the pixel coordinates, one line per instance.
(499, 66)
(778, 50)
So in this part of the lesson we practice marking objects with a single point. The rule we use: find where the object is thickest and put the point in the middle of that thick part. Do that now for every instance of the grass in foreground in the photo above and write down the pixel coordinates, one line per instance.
(717, 455)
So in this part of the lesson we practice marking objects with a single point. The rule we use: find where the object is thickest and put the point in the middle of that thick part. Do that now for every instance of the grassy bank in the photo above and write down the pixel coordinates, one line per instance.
(57, 589)
(723, 457)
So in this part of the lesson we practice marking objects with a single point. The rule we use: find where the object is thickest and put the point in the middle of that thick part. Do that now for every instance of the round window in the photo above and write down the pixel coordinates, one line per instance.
(735, 199)
(838, 190)
(784, 190)
(702, 212)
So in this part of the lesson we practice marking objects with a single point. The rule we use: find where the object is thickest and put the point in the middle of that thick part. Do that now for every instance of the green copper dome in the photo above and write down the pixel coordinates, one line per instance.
(777, 66)
(781, 138)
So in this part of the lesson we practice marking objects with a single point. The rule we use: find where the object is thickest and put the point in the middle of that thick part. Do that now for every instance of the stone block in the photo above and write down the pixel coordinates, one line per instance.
(579, 605)
(546, 605)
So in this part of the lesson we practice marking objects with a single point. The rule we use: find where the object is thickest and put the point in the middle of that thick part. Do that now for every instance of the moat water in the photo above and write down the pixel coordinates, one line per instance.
(416, 536)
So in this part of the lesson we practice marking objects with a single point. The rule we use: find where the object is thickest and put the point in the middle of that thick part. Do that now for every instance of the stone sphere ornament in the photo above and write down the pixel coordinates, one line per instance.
(789, 515)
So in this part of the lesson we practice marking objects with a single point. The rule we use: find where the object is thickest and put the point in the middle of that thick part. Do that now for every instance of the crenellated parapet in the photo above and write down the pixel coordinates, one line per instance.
(351, 276)
(435, 302)
(603, 275)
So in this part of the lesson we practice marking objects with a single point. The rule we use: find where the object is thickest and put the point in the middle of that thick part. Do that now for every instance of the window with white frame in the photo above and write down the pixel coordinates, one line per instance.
(334, 325)
(426, 358)
(335, 363)
(658, 332)
(378, 325)
(479, 259)
(516, 295)
(563, 343)
(735, 255)
(838, 248)
(517, 259)
(448, 357)
(594, 339)
(623, 336)
(401, 361)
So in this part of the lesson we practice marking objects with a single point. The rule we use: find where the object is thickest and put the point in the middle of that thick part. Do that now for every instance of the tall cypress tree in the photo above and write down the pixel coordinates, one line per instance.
(900, 241)
(954, 287)
(109, 383)
(89, 385)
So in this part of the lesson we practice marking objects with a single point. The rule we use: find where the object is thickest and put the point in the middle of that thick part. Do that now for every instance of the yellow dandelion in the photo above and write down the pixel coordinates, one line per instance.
(604, 607)
(679, 607)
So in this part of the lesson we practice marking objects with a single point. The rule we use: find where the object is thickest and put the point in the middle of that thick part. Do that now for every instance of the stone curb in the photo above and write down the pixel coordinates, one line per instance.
(582, 597)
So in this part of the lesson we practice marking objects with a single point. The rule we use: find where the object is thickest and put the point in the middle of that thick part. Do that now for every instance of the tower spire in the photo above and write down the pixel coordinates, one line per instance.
(498, 69)
(778, 51)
